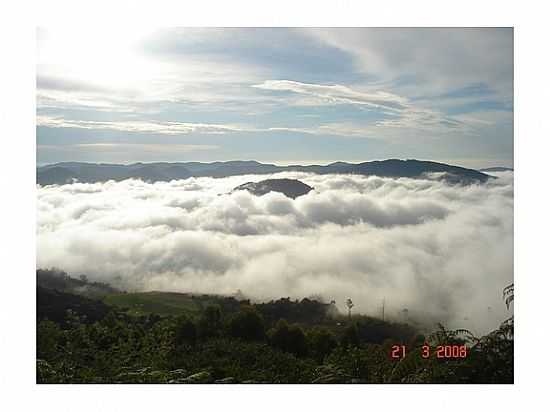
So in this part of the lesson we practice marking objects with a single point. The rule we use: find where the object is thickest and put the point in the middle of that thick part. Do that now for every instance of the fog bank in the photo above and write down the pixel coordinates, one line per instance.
(443, 252)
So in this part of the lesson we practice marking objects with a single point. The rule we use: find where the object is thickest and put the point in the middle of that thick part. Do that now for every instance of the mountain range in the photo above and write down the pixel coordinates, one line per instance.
(66, 172)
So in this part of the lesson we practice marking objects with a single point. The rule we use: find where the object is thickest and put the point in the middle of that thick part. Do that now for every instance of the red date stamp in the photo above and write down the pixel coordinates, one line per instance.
(440, 351)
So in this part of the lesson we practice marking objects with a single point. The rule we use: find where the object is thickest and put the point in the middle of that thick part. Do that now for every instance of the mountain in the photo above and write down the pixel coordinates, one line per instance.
(235, 168)
(497, 169)
(289, 187)
(61, 173)
(55, 175)
(418, 168)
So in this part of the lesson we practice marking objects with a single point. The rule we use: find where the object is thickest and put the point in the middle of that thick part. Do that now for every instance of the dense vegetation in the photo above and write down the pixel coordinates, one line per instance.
(181, 338)
(59, 280)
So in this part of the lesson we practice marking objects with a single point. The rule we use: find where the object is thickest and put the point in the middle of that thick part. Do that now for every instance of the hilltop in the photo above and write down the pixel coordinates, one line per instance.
(289, 187)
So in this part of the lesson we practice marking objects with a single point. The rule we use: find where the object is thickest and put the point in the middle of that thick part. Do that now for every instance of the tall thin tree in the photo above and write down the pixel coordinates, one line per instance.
(350, 305)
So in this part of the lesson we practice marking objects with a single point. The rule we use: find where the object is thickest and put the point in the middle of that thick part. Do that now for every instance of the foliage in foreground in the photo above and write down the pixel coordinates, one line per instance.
(122, 349)
(80, 340)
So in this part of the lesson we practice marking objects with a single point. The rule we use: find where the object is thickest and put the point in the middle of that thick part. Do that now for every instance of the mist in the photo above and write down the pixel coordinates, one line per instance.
(443, 252)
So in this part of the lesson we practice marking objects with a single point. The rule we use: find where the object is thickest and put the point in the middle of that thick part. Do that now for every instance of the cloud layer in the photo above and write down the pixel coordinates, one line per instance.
(443, 252)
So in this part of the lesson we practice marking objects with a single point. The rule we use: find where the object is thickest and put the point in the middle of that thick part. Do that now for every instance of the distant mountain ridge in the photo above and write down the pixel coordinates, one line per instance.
(497, 169)
(61, 173)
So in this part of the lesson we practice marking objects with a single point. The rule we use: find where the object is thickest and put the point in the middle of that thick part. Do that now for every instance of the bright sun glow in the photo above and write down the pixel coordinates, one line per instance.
(107, 58)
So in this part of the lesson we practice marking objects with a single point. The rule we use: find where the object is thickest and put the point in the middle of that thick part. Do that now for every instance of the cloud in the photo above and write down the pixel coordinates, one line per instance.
(443, 252)
(424, 61)
(337, 94)
(398, 112)
(407, 92)
(331, 129)
(151, 148)
(168, 128)
(348, 129)
(115, 70)
(180, 128)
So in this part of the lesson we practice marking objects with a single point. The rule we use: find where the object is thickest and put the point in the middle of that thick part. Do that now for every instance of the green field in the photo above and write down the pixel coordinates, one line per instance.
(162, 303)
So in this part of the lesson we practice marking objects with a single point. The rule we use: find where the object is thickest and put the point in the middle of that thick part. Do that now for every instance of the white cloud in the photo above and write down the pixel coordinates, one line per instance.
(150, 148)
(403, 114)
(169, 128)
(443, 252)
(338, 94)
(333, 129)
(112, 70)
(435, 60)
(347, 129)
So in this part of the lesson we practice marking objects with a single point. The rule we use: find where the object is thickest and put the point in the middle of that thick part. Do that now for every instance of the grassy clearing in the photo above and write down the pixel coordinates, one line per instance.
(162, 303)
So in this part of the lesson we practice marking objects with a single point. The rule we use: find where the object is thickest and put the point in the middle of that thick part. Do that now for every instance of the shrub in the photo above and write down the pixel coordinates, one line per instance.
(358, 363)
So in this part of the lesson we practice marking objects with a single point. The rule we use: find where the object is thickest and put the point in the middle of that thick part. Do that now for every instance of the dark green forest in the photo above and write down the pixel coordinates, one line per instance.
(89, 332)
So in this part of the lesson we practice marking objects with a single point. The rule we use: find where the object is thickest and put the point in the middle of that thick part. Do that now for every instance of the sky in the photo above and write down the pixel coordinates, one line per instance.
(281, 95)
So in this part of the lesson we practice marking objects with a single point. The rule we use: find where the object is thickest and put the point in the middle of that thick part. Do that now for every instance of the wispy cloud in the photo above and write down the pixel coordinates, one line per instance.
(399, 111)
(133, 147)
(179, 128)
(168, 128)
(378, 129)
(429, 60)
(338, 94)
(332, 129)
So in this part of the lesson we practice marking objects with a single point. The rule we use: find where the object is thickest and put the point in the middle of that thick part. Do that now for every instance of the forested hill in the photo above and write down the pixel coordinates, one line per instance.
(59, 280)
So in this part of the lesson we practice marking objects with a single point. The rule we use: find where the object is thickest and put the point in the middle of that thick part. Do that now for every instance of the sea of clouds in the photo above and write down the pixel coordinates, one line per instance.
(443, 252)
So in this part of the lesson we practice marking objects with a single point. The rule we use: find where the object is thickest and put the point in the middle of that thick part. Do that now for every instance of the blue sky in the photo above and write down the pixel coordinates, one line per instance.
(275, 94)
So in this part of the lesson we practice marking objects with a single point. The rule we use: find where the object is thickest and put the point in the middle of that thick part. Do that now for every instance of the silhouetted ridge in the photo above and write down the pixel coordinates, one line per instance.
(62, 173)
(497, 169)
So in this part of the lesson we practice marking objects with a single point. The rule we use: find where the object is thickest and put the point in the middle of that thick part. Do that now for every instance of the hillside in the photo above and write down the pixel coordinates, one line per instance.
(54, 305)
(62, 282)
(162, 337)
(168, 303)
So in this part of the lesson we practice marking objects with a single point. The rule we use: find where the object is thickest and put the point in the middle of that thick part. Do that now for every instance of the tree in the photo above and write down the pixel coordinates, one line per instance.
(321, 342)
(247, 324)
(288, 338)
(211, 321)
(350, 336)
(508, 295)
(47, 336)
(186, 332)
(350, 305)
(297, 343)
